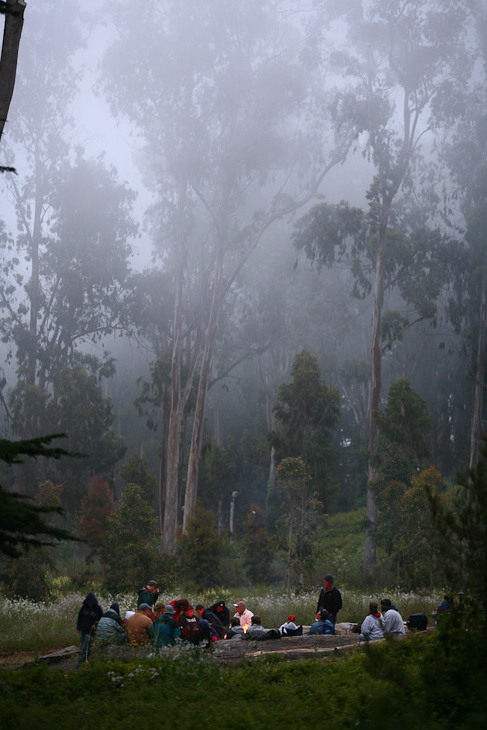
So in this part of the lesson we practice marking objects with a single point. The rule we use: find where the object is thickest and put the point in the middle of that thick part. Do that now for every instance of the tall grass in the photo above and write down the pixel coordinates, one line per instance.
(38, 627)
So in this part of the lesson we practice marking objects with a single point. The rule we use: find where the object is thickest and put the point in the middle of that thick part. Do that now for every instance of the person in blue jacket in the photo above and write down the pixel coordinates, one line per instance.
(165, 630)
(322, 625)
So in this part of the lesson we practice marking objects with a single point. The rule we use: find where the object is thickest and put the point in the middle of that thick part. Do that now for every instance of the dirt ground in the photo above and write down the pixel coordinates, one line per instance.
(19, 659)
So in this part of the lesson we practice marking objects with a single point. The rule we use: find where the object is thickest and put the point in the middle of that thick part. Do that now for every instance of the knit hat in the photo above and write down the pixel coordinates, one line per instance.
(115, 607)
(329, 578)
(291, 618)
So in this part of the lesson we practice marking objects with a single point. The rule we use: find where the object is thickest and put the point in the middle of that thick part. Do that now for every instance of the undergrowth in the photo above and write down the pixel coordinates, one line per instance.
(433, 682)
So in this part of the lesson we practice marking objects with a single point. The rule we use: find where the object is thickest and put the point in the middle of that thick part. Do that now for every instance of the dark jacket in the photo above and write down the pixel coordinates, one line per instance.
(221, 611)
(215, 622)
(235, 631)
(145, 596)
(164, 631)
(331, 600)
(189, 628)
(89, 615)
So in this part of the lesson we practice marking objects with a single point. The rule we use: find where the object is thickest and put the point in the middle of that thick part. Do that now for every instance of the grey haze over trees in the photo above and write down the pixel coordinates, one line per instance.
(465, 153)
(64, 277)
(399, 57)
(215, 90)
(237, 109)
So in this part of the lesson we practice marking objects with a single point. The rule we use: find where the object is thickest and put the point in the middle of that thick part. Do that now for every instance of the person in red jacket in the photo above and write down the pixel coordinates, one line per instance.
(179, 605)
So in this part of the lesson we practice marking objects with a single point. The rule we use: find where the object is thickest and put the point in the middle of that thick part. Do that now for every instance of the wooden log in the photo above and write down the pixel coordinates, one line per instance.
(58, 656)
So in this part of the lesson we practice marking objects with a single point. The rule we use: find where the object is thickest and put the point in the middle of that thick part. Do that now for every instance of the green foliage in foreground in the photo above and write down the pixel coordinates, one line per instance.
(436, 682)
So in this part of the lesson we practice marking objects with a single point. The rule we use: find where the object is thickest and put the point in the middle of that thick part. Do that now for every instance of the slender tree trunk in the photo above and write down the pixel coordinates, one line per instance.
(270, 426)
(199, 414)
(169, 544)
(14, 21)
(290, 550)
(478, 378)
(163, 462)
(375, 393)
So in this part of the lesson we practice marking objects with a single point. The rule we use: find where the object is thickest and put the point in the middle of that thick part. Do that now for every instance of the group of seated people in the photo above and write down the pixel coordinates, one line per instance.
(378, 624)
(163, 625)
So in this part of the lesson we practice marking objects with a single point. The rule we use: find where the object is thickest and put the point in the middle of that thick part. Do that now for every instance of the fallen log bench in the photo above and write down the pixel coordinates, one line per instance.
(296, 647)
(289, 647)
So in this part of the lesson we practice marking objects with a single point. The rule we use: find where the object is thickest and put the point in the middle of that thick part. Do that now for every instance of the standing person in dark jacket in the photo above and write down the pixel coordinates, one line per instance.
(148, 594)
(89, 615)
(330, 598)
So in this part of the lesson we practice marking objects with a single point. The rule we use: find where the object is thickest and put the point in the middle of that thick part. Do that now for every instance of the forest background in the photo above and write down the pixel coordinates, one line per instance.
(243, 269)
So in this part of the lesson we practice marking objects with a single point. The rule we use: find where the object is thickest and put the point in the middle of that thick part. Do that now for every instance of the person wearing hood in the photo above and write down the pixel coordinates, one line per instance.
(330, 598)
(221, 611)
(393, 621)
(213, 620)
(165, 630)
(243, 613)
(138, 625)
(373, 626)
(89, 615)
(110, 628)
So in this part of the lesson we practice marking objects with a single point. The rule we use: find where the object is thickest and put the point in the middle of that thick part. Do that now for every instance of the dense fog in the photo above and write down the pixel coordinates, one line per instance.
(233, 225)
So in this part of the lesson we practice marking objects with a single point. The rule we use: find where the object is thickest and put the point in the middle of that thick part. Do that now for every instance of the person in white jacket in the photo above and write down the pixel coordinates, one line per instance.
(373, 625)
(289, 624)
(393, 622)
(243, 614)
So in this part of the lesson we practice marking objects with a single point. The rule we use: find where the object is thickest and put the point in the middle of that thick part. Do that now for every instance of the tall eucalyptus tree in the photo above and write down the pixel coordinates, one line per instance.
(400, 57)
(214, 89)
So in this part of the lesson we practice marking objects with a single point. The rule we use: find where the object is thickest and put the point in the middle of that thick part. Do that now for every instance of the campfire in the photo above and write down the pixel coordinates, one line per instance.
(245, 627)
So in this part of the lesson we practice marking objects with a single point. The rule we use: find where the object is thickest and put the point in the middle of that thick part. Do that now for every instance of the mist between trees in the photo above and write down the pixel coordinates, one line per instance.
(307, 344)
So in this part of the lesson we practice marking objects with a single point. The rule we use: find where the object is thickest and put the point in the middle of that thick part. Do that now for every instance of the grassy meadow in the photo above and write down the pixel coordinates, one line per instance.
(40, 626)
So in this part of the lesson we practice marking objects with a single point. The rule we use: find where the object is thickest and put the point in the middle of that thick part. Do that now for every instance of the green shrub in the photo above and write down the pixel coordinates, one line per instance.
(130, 555)
(201, 549)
